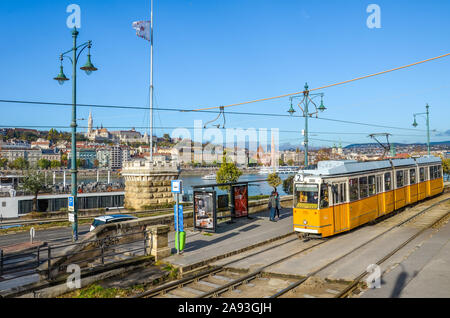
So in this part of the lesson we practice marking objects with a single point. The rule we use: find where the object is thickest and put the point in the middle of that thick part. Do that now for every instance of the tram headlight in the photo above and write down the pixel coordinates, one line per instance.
(305, 222)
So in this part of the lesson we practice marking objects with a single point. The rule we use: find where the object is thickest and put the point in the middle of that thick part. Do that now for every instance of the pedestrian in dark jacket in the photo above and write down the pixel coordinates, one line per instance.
(272, 206)
(278, 205)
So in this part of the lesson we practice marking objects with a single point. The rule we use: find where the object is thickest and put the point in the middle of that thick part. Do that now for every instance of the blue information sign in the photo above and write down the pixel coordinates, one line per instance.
(176, 186)
(71, 204)
(180, 218)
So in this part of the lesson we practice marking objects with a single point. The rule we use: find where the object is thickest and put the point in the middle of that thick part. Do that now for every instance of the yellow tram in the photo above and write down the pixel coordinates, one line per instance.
(341, 195)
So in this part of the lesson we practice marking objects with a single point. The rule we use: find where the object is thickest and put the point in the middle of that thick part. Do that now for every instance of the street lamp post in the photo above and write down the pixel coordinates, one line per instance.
(307, 98)
(415, 124)
(61, 78)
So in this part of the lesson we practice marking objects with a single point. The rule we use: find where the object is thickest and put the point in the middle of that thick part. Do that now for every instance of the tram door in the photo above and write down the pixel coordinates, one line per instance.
(339, 191)
(380, 197)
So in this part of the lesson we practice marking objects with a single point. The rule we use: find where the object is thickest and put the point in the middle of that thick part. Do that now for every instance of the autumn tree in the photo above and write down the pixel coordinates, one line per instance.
(43, 163)
(55, 164)
(288, 184)
(3, 162)
(33, 181)
(274, 180)
(228, 172)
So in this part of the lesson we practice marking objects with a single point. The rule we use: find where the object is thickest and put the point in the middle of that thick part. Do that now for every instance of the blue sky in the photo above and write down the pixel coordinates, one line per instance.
(211, 53)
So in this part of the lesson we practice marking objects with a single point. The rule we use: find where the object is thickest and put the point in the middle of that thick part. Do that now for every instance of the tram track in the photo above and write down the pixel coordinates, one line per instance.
(355, 283)
(224, 274)
(219, 280)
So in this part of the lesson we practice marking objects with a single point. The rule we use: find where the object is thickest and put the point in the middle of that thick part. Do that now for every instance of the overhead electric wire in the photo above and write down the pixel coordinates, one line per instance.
(206, 111)
(327, 86)
(191, 128)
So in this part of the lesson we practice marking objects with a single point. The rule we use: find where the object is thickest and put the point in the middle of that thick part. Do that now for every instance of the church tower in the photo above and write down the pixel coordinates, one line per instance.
(90, 122)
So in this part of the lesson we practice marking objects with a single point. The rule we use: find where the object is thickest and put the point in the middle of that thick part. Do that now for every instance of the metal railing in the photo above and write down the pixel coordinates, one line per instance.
(104, 251)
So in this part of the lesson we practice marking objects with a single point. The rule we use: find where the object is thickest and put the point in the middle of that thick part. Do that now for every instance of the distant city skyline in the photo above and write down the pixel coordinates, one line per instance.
(211, 53)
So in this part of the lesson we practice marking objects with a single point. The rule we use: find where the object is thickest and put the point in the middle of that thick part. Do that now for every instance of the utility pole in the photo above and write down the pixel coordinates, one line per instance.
(415, 124)
(61, 78)
(306, 99)
(151, 81)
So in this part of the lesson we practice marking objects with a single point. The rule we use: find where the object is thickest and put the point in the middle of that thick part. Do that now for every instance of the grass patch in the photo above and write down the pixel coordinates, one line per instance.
(258, 197)
(97, 291)
(173, 271)
(44, 226)
(65, 223)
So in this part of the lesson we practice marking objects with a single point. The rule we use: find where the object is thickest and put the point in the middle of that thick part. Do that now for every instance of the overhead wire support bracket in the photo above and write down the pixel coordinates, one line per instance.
(386, 147)
(221, 113)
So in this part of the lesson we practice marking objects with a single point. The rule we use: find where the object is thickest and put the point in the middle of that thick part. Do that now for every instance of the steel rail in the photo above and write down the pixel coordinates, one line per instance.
(301, 281)
(358, 279)
(203, 273)
(258, 272)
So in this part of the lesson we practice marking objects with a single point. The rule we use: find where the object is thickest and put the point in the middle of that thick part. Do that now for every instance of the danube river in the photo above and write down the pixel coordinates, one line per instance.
(255, 188)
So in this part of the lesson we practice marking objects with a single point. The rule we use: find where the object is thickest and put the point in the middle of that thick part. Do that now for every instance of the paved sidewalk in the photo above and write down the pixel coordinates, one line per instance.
(202, 248)
(21, 247)
(424, 273)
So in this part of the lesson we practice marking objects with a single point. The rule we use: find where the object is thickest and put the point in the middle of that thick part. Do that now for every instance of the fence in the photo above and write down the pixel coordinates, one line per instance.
(103, 252)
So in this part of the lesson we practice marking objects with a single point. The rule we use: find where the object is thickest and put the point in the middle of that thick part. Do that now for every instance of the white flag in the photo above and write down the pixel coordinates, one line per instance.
(142, 29)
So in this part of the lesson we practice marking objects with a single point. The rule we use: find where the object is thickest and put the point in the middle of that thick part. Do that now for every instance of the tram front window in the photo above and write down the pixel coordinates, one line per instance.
(306, 196)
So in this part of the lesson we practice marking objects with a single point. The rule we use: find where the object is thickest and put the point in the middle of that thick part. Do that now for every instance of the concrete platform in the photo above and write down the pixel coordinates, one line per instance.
(230, 239)
(424, 273)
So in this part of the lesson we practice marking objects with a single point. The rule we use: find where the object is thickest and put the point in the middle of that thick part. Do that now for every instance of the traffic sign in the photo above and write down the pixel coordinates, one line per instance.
(71, 205)
(71, 217)
(177, 186)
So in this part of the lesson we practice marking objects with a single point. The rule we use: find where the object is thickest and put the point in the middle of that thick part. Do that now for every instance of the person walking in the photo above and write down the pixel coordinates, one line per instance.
(272, 206)
(278, 205)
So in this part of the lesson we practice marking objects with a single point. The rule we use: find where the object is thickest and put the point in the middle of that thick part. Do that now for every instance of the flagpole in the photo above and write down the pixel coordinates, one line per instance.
(151, 82)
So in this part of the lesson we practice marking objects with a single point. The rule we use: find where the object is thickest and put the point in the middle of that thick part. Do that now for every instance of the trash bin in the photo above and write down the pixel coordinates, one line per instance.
(182, 240)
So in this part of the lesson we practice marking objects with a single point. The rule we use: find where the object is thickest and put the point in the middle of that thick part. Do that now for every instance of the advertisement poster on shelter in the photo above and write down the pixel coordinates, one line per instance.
(204, 210)
(240, 201)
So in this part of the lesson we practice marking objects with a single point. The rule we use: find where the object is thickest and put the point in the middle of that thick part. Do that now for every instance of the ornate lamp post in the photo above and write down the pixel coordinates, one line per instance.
(61, 78)
(306, 99)
(415, 124)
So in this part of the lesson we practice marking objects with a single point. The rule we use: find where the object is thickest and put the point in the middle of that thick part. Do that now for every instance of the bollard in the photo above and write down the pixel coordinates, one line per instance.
(32, 233)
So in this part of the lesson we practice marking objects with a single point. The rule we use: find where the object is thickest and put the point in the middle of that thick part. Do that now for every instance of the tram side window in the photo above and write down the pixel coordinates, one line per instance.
(354, 192)
(422, 174)
(306, 196)
(399, 177)
(363, 187)
(412, 176)
(324, 196)
(387, 181)
(435, 172)
(343, 193)
(432, 173)
(372, 186)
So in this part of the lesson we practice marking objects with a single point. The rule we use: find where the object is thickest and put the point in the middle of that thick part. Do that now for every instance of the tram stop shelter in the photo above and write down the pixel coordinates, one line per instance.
(210, 206)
